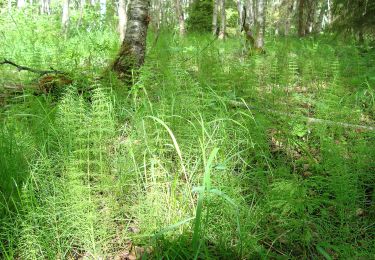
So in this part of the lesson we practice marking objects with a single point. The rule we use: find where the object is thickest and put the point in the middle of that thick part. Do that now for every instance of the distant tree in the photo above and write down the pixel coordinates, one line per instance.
(223, 20)
(200, 16)
(260, 24)
(132, 52)
(45, 7)
(214, 17)
(357, 17)
(65, 16)
(9, 6)
(180, 16)
(301, 23)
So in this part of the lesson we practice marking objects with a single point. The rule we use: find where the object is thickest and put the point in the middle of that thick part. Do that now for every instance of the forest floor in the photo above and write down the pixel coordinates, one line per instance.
(210, 155)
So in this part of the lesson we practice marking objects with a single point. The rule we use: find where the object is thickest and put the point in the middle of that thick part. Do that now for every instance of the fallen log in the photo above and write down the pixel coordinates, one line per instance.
(40, 72)
(309, 120)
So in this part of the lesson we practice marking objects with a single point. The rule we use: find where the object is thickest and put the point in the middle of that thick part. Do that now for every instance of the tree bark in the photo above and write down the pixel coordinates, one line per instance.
(132, 52)
(9, 6)
(214, 17)
(181, 19)
(223, 20)
(122, 19)
(65, 16)
(261, 15)
(240, 10)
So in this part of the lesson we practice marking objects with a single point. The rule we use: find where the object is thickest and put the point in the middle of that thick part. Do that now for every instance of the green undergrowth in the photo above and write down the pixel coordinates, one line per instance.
(209, 155)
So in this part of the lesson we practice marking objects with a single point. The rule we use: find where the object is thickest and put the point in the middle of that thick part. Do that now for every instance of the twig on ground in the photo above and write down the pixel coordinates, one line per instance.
(40, 72)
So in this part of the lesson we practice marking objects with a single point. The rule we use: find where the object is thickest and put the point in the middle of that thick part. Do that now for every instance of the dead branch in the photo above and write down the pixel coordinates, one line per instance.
(40, 72)
(309, 120)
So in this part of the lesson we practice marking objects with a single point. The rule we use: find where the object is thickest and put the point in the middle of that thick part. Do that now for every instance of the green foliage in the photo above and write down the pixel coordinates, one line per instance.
(174, 165)
(200, 16)
(354, 16)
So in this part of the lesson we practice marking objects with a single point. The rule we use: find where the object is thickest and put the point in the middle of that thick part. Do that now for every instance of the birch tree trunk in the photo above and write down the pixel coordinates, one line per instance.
(181, 19)
(240, 10)
(260, 20)
(103, 9)
(223, 20)
(122, 19)
(9, 6)
(132, 52)
(214, 17)
(65, 16)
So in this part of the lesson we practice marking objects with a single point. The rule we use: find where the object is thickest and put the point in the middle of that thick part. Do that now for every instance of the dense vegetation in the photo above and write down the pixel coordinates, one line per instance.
(210, 154)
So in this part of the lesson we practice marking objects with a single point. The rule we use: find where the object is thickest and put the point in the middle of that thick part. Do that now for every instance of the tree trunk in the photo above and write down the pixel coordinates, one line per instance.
(9, 6)
(261, 15)
(214, 17)
(103, 9)
(81, 11)
(250, 13)
(122, 19)
(223, 20)
(310, 19)
(65, 16)
(291, 10)
(301, 7)
(319, 21)
(132, 52)
(181, 19)
(240, 10)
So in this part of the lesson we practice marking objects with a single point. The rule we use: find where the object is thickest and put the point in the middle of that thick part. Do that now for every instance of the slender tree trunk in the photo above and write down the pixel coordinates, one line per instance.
(133, 48)
(214, 17)
(9, 6)
(103, 9)
(240, 10)
(81, 11)
(319, 22)
(291, 10)
(65, 16)
(261, 22)
(223, 20)
(248, 23)
(310, 19)
(181, 19)
(301, 7)
(122, 19)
